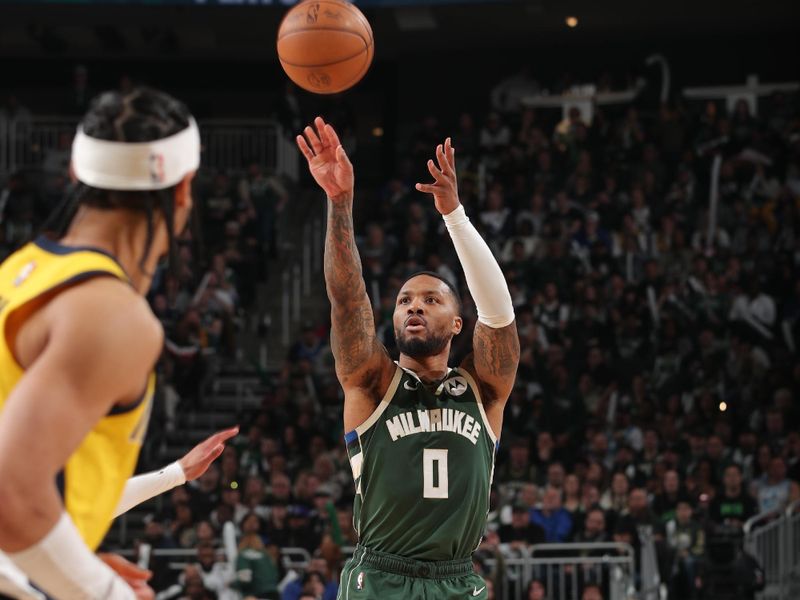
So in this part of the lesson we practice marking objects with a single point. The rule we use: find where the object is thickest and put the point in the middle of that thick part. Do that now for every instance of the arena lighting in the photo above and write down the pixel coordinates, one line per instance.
(723, 406)
(571, 22)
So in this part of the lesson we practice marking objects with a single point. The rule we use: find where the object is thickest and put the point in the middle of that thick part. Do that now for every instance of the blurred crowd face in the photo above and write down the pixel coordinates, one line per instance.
(280, 486)
(591, 495)
(595, 523)
(671, 482)
(572, 486)
(251, 524)
(777, 469)
(551, 501)
(205, 532)
(425, 317)
(206, 555)
(529, 495)
(619, 484)
(683, 513)
(520, 518)
(536, 591)
(637, 501)
(555, 475)
(732, 479)
(592, 593)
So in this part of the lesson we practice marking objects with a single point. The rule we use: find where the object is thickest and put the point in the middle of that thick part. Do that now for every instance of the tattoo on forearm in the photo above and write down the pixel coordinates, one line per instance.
(353, 331)
(496, 354)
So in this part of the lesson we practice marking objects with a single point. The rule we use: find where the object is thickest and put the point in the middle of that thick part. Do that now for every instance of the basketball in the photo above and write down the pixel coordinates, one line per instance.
(325, 47)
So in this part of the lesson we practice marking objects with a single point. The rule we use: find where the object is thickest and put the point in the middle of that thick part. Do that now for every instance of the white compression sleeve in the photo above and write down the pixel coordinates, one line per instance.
(63, 567)
(485, 280)
(143, 487)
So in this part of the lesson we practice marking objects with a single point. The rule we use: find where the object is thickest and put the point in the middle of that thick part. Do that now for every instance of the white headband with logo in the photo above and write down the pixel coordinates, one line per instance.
(136, 166)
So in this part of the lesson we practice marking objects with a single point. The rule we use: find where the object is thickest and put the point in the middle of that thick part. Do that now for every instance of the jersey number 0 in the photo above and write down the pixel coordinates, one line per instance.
(434, 473)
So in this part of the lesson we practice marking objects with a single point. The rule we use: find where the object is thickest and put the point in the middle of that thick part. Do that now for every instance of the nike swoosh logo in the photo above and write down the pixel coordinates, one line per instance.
(478, 591)
(409, 387)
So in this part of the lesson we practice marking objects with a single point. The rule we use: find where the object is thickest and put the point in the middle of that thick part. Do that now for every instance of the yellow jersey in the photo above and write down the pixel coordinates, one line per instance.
(94, 476)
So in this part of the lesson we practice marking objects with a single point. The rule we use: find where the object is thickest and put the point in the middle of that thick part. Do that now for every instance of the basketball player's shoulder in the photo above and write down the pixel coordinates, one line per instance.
(109, 309)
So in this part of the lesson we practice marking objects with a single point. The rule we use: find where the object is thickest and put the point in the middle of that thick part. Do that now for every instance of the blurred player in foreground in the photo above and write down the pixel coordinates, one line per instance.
(14, 583)
(80, 342)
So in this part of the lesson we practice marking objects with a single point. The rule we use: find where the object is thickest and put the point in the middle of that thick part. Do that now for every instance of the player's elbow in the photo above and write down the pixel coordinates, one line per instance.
(18, 511)
(13, 508)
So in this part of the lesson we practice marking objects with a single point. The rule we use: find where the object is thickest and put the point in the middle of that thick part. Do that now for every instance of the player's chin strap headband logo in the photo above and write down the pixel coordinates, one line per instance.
(136, 166)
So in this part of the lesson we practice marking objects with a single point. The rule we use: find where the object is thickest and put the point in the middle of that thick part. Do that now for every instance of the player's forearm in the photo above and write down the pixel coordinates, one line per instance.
(485, 280)
(343, 277)
(27, 513)
(143, 487)
(43, 542)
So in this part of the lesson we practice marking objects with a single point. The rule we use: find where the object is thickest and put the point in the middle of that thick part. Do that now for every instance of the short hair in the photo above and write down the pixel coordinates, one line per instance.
(449, 285)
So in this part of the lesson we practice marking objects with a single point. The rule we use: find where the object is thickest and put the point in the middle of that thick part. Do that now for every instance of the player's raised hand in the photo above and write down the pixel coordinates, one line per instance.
(445, 183)
(327, 160)
(133, 575)
(196, 462)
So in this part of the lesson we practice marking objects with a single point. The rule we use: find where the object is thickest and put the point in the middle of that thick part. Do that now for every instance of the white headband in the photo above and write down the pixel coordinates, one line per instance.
(136, 166)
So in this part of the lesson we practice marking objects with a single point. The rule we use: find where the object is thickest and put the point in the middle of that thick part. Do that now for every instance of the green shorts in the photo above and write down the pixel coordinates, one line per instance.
(371, 575)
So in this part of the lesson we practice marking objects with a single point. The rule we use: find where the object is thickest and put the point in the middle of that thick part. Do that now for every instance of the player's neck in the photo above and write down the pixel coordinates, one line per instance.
(427, 368)
(121, 233)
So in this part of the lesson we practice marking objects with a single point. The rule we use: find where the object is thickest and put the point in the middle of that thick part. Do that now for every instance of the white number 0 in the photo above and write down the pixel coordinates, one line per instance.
(437, 488)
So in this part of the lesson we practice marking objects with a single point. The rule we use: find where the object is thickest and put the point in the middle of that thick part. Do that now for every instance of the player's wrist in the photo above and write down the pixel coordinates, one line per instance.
(455, 217)
(63, 567)
(342, 199)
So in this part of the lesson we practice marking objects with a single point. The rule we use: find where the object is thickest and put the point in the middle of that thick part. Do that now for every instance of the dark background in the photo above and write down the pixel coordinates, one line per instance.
(424, 53)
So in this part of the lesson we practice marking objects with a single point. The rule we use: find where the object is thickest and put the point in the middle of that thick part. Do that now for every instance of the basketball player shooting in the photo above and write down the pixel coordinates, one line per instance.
(421, 437)
(80, 342)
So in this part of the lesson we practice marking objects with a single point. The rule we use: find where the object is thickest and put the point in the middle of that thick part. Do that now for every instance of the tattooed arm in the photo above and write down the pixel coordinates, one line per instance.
(362, 364)
(495, 343)
(494, 360)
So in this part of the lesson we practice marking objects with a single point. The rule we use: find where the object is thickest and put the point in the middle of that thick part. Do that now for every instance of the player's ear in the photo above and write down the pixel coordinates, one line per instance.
(183, 192)
(458, 324)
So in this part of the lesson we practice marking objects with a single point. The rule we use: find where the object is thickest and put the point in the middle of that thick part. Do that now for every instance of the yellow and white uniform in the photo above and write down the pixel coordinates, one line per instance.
(93, 478)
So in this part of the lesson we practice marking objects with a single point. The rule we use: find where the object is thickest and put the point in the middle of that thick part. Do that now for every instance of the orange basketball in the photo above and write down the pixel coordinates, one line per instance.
(325, 46)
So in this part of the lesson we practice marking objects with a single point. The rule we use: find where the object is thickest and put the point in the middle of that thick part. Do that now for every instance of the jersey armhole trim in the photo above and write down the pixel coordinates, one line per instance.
(476, 390)
(381, 408)
(122, 409)
(55, 290)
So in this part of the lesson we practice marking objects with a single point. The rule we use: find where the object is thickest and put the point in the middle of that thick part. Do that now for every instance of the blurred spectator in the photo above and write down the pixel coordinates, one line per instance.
(592, 592)
(552, 517)
(521, 531)
(594, 528)
(256, 570)
(686, 538)
(218, 576)
(732, 506)
(773, 489)
(536, 590)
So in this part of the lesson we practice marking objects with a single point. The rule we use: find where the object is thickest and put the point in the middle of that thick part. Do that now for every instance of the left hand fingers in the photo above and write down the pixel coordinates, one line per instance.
(124, 568)
(450, 152)
(444, 164)
(435, 173)
(427, 188)
(223, 436)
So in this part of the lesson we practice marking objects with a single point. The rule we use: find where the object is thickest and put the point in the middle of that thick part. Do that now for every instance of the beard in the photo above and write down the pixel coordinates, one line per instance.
(418, 347)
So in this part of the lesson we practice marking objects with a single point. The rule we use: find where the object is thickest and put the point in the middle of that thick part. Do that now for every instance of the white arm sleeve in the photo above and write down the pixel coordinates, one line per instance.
(485, 280)
(143, 487)
(62, 566)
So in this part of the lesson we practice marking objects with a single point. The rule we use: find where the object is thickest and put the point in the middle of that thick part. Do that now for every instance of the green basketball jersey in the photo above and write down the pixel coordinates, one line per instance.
(423, 464)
